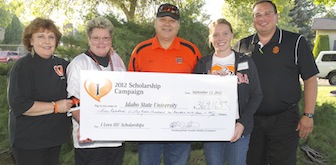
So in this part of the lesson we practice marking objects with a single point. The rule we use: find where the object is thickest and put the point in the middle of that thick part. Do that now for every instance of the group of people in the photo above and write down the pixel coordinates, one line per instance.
(44, 90)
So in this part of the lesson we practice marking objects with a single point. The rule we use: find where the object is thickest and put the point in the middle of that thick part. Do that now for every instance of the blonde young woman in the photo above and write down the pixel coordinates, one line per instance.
(226, 62)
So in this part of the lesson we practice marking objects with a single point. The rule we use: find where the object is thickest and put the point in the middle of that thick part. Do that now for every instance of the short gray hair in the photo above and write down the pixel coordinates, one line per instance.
(99, 22)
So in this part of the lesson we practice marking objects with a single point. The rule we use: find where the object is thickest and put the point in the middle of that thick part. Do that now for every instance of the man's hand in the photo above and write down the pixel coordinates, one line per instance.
(305, 127)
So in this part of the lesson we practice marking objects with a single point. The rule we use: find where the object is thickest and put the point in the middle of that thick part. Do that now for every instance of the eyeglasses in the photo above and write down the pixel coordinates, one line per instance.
(266, 14)
(104, 39)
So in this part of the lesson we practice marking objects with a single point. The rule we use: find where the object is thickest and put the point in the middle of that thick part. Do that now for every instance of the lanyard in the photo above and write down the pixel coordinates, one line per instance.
(96, 61)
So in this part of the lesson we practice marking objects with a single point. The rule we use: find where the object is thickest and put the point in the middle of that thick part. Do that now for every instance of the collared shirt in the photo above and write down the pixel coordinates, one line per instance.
(280, 62)
(149, 56)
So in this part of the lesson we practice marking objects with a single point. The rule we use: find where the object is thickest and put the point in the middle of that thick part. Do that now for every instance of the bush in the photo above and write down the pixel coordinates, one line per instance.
(4, 68)
(321, 43)
(5, 154)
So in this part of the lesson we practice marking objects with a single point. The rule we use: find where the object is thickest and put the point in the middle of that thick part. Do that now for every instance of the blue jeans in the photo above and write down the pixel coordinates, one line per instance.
(217, 153)
(174, 153)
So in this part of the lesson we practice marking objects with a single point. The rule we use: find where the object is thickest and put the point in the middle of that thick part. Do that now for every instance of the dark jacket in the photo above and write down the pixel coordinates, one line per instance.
(249, 94)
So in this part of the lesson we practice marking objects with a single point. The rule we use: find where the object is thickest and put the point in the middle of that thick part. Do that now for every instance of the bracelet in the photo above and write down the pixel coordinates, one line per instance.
(55, 107)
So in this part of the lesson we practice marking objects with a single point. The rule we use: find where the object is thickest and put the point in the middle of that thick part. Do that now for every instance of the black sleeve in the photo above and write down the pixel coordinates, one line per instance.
(306, 62)
(20, 92)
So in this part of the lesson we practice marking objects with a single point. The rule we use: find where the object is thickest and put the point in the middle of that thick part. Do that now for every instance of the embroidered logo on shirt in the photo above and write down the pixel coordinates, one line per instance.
(276, 49)
(178, 60)
(59, 71)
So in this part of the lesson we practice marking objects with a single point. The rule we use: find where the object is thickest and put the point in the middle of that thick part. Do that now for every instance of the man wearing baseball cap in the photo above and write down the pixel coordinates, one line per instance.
(168, 10)
(166, 53)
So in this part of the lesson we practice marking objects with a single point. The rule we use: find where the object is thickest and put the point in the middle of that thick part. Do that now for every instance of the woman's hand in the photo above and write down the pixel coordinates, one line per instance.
(219, 72)
(87, 140)
(239, 129)
(64, 105)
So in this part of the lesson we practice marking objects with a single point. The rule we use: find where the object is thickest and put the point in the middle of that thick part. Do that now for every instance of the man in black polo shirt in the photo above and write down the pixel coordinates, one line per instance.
(281, 57)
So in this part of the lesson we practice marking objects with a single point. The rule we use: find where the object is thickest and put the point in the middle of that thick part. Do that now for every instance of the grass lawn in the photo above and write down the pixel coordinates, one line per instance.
(323, 95)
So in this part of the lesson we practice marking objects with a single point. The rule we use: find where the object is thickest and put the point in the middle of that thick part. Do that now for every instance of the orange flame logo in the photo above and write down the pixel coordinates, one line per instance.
(276, 49)
(97, 90)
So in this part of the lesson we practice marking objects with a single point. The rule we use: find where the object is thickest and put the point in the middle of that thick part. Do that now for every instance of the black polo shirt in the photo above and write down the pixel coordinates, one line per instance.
(280, 63)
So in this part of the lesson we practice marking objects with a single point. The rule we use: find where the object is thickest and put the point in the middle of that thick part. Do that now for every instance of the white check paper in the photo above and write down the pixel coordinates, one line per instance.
(138, 106)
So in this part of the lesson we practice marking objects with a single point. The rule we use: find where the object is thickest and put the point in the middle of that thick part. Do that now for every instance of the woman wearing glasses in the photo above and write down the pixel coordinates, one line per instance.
(100, 57)
(226, 62)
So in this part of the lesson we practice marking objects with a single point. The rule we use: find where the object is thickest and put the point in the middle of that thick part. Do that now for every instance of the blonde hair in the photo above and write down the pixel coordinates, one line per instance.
(212, 27)
(99, 22)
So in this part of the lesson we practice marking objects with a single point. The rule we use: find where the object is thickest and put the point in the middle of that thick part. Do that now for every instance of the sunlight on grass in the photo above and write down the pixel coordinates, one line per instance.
(323, 95)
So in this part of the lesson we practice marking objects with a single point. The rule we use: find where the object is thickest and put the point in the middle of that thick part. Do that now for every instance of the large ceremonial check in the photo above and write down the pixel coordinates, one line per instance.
(138, 106)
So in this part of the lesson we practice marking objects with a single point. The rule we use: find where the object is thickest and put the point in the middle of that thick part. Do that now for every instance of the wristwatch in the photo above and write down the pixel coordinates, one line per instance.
(309, 115)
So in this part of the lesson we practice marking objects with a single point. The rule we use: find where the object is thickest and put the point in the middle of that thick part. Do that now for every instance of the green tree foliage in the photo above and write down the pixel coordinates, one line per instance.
(72, 44)
(13, 33)
(321, 43)
(5, 155)
(5, 18)
(301, 17)
(131, 10)
(330, 14)
(128, 34)
(238, 3)
(326, 2)
(326, 11)
(192, 28)
(240, 16)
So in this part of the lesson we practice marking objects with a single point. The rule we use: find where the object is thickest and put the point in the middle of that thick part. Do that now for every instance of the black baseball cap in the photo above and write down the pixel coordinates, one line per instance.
(168, 10)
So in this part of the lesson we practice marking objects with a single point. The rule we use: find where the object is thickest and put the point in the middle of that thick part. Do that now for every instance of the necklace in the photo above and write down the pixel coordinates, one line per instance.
(96, 61)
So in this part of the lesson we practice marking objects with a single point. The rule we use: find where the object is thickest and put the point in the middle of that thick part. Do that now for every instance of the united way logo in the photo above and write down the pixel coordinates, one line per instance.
(98, 89)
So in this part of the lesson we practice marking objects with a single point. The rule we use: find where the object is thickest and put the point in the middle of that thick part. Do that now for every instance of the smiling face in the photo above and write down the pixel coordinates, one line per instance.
(220, 37)
(265, 18)
(44, 43)
(100, 41)
(166, 28)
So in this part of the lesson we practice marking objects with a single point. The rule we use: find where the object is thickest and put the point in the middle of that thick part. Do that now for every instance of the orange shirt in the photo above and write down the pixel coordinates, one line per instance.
(149, 56)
